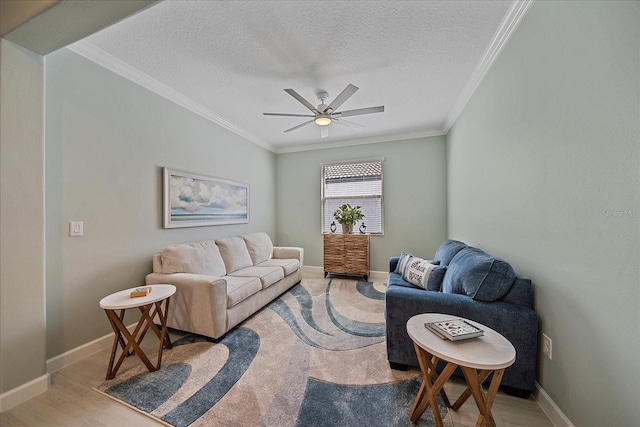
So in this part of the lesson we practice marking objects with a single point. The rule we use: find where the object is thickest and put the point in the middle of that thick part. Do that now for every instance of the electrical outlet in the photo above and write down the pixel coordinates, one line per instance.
(547, 346)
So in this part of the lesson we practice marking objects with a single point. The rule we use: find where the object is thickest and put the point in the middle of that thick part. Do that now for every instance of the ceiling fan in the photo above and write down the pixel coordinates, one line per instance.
(323, 115)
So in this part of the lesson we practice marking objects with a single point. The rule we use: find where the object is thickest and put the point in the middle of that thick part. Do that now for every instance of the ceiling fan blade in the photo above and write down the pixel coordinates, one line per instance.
(288, 115)
(324, 131)
(301, 100)
(340, 99)
(347, 123)
(299, 126)
(359, 111)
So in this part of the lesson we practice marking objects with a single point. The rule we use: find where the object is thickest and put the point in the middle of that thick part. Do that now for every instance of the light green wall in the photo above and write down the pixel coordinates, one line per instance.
(544, 170)
(107, 140)
(414, 198)
(22, 320)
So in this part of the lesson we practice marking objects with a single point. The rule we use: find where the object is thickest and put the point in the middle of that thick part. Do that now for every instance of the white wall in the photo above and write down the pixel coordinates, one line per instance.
(22, 320)
(107, 140)
(544, 170)
(414, 198)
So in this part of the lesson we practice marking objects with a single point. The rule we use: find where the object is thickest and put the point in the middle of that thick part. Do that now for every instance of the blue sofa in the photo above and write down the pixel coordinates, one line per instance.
(475, 286)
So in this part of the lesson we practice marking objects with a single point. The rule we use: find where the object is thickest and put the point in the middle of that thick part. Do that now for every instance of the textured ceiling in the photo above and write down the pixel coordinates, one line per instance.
(232, 59)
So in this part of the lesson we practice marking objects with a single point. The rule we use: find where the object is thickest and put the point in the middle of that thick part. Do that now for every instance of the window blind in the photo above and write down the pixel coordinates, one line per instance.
(358, 184)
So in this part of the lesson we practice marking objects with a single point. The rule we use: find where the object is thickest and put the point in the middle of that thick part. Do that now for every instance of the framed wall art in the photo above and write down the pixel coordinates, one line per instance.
(192, 200)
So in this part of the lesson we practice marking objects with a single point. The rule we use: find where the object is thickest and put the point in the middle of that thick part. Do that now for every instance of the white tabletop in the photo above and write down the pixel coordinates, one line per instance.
(122, 299)
(490, 351)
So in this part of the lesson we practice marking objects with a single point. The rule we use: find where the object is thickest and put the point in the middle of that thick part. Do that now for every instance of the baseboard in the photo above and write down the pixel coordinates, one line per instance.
(549, 407)
(315, 271)
(378, 276)
(312, 270)
(77, 354)
(24, 392)
(39, 385)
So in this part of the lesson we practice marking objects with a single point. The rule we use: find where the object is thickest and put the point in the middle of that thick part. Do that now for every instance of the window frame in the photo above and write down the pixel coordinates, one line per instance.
(323, 198)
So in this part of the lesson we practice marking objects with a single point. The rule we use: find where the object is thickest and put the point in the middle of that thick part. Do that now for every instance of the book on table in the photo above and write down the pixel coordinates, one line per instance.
(454, 329)
(142, 291)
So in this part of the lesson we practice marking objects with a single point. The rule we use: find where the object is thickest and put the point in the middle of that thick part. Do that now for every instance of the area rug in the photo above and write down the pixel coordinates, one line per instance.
(315, 356)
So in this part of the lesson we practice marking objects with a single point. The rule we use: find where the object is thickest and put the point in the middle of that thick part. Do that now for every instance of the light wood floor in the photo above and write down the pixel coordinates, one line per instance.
(72, 402)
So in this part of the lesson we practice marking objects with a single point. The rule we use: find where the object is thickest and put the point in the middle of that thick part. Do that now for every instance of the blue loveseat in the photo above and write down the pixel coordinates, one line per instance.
(475, 286)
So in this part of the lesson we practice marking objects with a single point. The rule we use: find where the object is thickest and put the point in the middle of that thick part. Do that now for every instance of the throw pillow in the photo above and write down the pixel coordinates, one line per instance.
(448, 250)
(402, 262)
(234, 253)
(259, 246)
(197, 258)
(474, 273)
(425, 274)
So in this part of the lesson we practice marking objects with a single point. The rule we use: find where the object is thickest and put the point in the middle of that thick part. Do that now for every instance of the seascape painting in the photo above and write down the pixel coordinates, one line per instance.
(192, 200)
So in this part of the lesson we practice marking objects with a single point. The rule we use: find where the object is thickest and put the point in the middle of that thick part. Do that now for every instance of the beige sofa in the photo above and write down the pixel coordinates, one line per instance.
(220, 283)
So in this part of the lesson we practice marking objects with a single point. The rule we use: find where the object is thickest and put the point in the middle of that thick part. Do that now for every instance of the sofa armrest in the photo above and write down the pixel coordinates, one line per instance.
(199, 304)
(393, 263)
(289, 252)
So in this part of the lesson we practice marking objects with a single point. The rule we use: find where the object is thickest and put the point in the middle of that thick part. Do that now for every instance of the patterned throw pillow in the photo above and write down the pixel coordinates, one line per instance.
(424, 273)
(402, 262)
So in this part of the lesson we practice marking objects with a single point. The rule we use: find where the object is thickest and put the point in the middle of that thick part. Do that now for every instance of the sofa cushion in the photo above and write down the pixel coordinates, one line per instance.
(234, 253)
(447, 251)
(289, 265)
(267, 275)
(197, 258)
(423, 273)
(259, 246)
(241, 288)
(396, 279)
(474, 273)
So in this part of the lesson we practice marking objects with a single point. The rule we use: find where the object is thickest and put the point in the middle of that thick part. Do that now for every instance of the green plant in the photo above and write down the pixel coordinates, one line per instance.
(346, 214)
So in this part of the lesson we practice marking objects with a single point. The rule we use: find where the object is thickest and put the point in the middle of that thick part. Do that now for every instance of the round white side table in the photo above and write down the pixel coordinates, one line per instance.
(477, 357)
(150, 306)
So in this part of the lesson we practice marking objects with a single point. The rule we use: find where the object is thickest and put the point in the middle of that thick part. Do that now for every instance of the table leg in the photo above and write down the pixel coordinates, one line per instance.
(117, 339)
(165, 342)
(128, 341)
(482, 375)
(131, 343)
(483, 401)
(432, 384)
(162, 316)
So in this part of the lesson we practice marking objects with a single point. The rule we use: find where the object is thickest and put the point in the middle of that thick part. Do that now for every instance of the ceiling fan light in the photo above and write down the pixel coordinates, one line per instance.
(323, 120)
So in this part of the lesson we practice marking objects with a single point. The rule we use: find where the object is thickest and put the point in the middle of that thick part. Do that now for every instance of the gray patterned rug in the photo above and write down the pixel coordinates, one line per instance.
(316, 356)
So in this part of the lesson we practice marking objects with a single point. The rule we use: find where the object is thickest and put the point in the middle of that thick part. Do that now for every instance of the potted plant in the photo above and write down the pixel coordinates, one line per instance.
(348, 216)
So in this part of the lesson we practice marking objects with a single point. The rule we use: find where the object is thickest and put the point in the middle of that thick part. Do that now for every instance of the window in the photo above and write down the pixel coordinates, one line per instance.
(358, 183)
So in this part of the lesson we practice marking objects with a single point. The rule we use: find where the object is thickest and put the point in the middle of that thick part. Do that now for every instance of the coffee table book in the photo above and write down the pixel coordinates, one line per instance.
(454, 330)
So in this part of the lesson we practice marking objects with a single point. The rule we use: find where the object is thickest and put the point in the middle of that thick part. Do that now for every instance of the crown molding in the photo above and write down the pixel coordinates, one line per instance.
(358, 141)
(512, 20)
(111, 63)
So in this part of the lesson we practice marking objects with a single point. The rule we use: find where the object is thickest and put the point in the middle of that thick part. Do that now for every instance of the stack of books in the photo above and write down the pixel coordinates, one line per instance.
(454, 330)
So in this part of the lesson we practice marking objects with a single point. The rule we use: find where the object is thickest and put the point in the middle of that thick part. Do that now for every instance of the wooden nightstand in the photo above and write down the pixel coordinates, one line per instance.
(346, 254)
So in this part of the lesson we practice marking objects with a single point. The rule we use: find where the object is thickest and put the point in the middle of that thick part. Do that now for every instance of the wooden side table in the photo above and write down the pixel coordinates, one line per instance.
(477, 357)
(346, 254)
(149, 307)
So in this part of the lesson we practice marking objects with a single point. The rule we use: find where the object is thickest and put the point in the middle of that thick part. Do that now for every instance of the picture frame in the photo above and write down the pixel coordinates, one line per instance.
(195, 200)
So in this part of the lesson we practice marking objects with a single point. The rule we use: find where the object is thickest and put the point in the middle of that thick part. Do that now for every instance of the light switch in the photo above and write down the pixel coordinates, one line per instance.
(76, 228)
